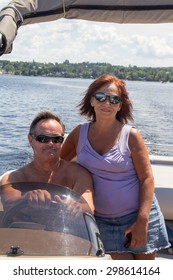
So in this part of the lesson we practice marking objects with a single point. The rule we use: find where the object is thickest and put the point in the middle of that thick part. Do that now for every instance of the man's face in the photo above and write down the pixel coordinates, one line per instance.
(49, 150)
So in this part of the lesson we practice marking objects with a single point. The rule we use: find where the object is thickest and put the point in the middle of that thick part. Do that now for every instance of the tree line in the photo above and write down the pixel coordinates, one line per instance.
(86, 70)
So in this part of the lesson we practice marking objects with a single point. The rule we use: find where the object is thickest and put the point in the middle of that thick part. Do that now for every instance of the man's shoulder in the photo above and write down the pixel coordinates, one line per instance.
(72, 165)
(12, 176)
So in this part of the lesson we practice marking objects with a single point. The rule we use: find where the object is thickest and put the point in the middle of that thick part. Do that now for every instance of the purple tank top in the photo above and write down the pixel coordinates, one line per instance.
(116, 185)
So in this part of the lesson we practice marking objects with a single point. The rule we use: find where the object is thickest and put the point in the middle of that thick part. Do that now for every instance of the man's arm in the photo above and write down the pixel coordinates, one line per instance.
(8, 193)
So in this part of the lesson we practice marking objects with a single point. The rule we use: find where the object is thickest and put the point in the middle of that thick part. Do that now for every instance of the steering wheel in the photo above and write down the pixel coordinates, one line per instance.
(22, 215)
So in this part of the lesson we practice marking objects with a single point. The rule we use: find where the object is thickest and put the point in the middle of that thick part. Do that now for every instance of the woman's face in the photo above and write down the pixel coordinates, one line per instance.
(105, 104)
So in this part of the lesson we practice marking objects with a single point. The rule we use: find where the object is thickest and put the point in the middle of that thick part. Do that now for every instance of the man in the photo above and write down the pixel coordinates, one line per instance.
(46, 138)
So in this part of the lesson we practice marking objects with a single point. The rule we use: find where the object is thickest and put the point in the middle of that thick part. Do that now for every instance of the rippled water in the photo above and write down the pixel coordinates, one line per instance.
(23, 97)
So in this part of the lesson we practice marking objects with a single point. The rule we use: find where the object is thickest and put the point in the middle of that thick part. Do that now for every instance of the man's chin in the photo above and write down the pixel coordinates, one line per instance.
(51, 155)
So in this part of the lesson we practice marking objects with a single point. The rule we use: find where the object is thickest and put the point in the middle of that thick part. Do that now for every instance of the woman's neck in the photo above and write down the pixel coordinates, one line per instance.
(106, 125)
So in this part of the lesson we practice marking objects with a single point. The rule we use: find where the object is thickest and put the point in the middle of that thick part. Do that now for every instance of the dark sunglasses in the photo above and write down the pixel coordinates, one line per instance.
(47, 139)
(101, 97)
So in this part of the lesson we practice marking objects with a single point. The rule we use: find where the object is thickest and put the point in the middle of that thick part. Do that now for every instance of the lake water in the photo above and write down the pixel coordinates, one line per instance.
(23, 97)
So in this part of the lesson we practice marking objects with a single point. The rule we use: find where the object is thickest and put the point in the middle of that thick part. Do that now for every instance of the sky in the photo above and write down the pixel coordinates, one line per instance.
(85, 41)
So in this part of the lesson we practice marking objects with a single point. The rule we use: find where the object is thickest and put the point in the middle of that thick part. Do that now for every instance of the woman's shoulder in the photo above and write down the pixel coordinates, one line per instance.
(78, 128)
(134, 133)
(75, 133)
(135, 138)
(131, 130)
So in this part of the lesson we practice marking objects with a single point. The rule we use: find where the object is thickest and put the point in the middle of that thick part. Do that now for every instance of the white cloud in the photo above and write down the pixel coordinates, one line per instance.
(78, 41)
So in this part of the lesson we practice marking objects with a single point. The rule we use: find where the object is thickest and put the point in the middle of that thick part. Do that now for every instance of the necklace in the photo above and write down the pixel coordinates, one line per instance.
(52, 172)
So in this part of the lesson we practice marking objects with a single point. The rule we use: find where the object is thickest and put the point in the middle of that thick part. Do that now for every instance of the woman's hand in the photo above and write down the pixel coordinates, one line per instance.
(138, 234)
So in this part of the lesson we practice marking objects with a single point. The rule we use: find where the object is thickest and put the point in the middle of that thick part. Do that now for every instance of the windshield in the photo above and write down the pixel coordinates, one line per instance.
(65, 228)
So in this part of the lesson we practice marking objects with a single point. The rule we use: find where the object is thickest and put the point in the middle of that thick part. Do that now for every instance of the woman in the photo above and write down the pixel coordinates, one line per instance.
(126, 210)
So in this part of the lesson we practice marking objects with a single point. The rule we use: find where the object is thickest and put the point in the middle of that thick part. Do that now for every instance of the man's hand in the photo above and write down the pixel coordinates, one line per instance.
(74, 207)
(39, 199)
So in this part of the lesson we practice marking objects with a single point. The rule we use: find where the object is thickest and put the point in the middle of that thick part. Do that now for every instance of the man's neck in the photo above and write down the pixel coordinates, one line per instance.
(45, 169)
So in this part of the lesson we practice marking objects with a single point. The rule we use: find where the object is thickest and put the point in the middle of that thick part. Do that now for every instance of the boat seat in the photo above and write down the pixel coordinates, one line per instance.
(163, 176)
(165, 199)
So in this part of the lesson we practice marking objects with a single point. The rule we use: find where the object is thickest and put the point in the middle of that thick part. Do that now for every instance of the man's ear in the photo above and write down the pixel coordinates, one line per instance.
(30, 139)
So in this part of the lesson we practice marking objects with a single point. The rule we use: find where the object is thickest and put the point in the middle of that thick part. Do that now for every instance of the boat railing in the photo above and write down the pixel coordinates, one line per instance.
(160, 153)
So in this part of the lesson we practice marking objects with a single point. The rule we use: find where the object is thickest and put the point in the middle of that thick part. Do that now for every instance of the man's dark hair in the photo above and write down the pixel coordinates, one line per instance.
(45, 115)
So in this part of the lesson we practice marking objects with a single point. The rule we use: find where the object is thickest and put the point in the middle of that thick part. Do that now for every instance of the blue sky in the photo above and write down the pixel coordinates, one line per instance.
(79, 41)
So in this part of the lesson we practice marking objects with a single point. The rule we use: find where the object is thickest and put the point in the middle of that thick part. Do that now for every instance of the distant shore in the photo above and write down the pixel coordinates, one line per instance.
(86, 70)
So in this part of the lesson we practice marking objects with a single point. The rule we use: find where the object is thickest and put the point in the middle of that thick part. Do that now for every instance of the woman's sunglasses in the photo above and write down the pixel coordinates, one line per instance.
(47, 139)
(101, 97)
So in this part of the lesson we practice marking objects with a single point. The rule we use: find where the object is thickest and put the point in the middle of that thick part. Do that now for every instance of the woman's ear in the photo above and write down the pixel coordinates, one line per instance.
(120, 106)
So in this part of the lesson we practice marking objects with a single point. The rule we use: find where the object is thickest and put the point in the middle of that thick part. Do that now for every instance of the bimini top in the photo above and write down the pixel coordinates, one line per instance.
(22, 12)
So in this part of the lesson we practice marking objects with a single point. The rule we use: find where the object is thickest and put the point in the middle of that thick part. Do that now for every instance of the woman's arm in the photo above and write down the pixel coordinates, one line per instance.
(146, 180)
(68, 151)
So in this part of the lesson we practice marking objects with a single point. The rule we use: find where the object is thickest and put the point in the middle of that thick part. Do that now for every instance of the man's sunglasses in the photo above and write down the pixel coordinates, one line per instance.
(101, 97)
(47, 139)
